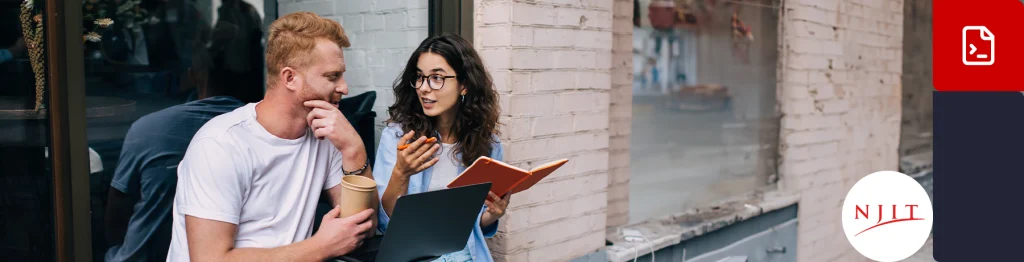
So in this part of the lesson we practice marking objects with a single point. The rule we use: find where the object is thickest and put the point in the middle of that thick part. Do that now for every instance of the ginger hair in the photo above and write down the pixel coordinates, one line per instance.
(293, 38)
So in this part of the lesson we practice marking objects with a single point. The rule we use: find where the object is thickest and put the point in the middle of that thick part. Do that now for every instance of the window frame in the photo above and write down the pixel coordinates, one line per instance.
(446, 16)
(65, 75)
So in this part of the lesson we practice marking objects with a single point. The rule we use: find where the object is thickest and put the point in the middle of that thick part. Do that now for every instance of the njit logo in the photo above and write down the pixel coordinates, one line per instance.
(867, 214)
(887, 216)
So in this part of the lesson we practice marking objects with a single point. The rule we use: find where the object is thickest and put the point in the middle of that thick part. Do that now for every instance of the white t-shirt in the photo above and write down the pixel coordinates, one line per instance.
(235, 171)
(445, 170)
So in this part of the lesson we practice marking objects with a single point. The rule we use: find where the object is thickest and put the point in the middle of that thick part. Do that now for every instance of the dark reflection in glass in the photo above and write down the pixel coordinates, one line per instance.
(164, 74)
(26, 194)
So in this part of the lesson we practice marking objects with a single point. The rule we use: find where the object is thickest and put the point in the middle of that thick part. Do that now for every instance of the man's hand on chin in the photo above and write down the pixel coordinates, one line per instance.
(328, 122)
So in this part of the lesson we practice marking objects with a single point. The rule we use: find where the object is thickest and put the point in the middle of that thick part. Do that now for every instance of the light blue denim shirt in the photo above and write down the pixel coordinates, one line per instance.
(418, 183)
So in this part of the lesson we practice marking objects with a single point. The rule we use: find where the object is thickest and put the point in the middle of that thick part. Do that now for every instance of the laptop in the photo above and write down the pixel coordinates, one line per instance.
(426, 226)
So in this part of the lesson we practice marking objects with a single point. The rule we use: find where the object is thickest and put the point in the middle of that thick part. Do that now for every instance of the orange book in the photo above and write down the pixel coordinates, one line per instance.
(504, 178)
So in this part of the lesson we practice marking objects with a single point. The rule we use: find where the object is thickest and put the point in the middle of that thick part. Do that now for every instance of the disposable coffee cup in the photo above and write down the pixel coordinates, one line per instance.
(358, 193)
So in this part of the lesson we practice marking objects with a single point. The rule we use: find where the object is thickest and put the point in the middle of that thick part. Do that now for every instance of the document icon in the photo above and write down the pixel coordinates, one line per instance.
(979, 46)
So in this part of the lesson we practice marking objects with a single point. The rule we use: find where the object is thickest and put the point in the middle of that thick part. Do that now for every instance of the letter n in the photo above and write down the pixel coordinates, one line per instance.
(864, 212)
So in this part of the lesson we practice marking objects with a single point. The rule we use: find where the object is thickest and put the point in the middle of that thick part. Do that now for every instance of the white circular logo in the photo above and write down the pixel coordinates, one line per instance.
(887, 216)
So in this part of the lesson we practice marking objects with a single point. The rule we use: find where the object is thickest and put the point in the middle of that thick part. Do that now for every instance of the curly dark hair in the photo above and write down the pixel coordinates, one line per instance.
(476, 118)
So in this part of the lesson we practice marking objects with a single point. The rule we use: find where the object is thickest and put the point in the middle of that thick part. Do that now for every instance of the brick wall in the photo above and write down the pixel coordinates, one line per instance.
(840, 96)
(383, 34)
(619, 113)
(552, 62)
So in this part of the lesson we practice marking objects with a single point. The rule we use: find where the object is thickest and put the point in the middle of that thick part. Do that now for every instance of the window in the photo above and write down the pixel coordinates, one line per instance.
(141, 67)
(119, 75)
(916, 147)
(383, 33)
(26, 182)
(704, 124)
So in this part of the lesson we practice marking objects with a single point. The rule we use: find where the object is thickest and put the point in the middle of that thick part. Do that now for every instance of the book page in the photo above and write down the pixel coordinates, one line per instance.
(538, 174)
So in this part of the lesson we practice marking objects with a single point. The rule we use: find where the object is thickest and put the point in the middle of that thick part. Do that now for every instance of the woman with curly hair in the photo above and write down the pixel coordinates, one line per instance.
(444, 94)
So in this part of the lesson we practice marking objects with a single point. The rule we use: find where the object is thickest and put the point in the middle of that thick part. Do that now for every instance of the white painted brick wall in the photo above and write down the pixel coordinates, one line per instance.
(383, 34)
(620, 110)
(555, 58)
(840, 98)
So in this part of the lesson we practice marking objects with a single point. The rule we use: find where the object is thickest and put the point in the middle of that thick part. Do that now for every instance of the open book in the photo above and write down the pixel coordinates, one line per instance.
(504, 178)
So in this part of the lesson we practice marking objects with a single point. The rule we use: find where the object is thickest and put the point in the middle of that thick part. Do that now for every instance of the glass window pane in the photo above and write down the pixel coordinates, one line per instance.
(383, 36)
(158, 73)
(704, 124)
(26, 182)
(153, 78)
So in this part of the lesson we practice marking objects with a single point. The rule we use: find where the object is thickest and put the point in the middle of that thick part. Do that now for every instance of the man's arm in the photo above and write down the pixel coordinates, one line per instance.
(211, 240)
(214, 184)
(118, 213)
(354, 158)
(125, 185)
(211, 202)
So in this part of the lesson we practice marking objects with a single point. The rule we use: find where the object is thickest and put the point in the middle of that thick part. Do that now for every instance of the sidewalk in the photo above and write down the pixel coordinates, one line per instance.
(925, 254)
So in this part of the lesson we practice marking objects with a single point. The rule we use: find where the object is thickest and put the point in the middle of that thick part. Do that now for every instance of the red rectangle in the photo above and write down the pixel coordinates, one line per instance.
(976, 45)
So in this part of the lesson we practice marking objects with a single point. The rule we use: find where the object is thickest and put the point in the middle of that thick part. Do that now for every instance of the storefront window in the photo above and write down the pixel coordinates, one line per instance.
(158, 70)
(704, 124)
(166, 67)
(26, 182)
(384, 34)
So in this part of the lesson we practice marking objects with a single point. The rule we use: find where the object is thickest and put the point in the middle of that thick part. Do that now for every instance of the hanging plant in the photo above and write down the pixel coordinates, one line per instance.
(741, 38)
(687, 12)
(97, 15)
(32, 32)
(740, 30)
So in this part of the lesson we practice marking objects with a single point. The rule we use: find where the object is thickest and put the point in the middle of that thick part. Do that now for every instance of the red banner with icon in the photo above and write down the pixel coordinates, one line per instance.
(978, 45)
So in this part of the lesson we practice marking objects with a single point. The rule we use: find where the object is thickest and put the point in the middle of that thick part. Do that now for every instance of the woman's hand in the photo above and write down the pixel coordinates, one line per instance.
(495, 210)
(417, 157)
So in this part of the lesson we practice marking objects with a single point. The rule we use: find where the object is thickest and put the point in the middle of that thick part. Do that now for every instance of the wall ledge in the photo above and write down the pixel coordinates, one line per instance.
(666, 231)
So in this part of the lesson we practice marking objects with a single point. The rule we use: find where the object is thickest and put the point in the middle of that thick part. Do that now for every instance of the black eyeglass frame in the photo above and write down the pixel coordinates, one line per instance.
(420, 78)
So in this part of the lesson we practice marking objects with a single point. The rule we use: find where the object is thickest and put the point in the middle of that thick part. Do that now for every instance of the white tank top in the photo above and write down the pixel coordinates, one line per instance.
(445, 170)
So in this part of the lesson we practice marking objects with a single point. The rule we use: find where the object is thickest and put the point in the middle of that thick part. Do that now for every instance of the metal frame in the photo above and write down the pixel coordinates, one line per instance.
(466, 21)
(66, 103)
(451, 16)
(269, 15)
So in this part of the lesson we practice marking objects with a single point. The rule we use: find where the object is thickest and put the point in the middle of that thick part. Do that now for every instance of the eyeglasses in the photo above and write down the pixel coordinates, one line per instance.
(435, 81)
